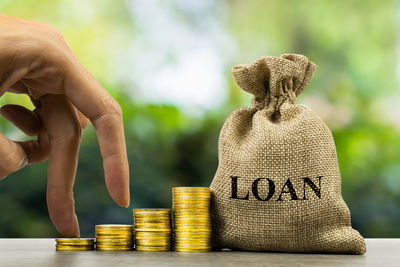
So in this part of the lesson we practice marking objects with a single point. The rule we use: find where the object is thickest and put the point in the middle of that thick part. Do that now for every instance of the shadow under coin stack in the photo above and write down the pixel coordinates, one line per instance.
(74, 244)
(114, 237)
(192, 222)
(152, 229)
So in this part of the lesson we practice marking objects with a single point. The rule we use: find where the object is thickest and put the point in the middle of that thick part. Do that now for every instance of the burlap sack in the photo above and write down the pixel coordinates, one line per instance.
(278, 185)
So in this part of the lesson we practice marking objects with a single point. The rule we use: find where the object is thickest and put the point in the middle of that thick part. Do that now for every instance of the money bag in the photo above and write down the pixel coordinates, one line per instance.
(278, 184)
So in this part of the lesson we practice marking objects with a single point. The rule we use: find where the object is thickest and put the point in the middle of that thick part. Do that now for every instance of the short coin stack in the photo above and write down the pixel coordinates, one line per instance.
(74, 244)
(114, 237)
(152, 229)
(192, 222)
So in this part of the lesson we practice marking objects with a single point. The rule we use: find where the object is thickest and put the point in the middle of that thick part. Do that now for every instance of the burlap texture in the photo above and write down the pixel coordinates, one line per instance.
(281, 141)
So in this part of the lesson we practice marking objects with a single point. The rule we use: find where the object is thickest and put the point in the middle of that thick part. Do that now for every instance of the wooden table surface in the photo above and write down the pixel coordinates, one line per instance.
(41, 252)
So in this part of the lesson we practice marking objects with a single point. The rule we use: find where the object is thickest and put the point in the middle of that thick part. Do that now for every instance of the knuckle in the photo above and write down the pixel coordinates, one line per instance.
(113, 106)
(75, 133)
(9, 164)
(54, 37)
(53, 31)
(71, 134)
(112, 111)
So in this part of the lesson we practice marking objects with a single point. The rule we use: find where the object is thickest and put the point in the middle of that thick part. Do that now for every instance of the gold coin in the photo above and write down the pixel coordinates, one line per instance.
(73, 248)
(194, 243)
(152, 220)
(109, 237)
(100, 236)
(118, 241)
(189, 219)
(189, 234)
(114, 243)
(150, 210)
(149, 239)
(153, 230)
(152, 213)
(155, 225)
(192, 199)
(191, 189)
(158, 241)
(192, 220)
(192, 246)
(182, 205)
(192, 250)
(154, 243)
(153, 237)
(181, 216)
(113, 248)
(115, 235)
(152, 234)
(205, 209)
(152, 248)
(191, 209)
(114, 227)
(192, 233)
(190, 202)
(114, 232)
(124, 226)
(152, 225)
(192, 239)
(192, 227)
(153, 240)
(75, 241)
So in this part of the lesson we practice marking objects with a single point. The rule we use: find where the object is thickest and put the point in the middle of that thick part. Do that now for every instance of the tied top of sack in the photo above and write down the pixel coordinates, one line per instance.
(274, 80)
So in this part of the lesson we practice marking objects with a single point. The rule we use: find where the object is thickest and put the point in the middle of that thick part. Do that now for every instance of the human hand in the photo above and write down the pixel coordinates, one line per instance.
(36, 60)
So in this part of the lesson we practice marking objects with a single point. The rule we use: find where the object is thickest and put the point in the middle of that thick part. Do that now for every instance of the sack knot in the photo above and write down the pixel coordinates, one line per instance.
(274, 80)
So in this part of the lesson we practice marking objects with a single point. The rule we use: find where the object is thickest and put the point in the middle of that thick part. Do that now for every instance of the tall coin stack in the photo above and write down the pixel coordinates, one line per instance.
(192, 222)
(74, 244)
(114, 237)
(152, 229)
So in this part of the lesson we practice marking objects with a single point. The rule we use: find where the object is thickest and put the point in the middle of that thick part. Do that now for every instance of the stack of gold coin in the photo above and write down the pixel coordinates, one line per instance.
(192, 222)
(152, 229)
(74, 244)
(115, 237)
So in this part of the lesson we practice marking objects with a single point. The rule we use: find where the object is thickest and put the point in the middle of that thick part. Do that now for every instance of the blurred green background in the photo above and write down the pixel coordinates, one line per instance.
(168, 64)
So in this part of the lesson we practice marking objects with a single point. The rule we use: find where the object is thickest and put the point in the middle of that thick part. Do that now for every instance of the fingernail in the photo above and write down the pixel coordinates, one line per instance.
(76, 226)
(23, 163)
(127, 201)
(124, 204)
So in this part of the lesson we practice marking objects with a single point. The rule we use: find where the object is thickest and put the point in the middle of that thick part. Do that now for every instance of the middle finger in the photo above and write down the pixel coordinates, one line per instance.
(64, 131)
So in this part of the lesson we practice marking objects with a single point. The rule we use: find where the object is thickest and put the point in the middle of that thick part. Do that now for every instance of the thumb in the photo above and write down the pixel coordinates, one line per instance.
(12, 155)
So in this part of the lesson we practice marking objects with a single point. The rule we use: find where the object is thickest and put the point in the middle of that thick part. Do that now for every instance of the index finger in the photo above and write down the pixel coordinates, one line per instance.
(90, 98)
